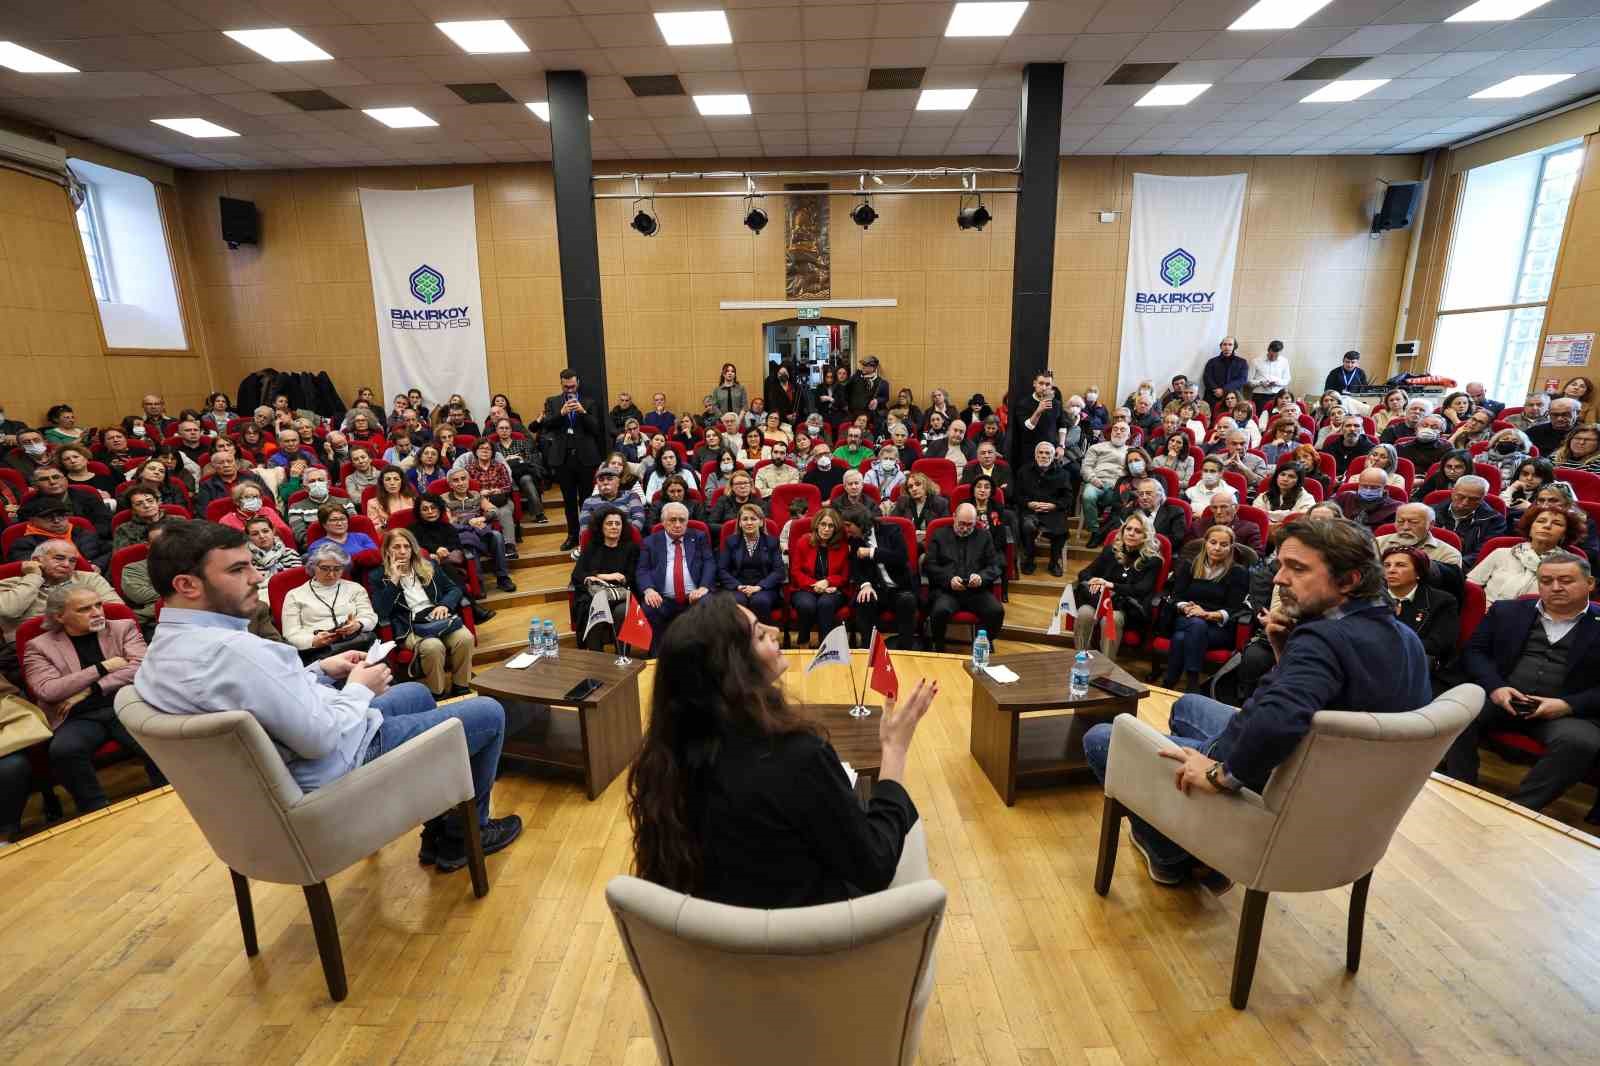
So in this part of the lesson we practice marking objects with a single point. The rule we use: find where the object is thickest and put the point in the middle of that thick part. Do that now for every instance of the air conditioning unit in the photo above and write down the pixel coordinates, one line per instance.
(40, 155)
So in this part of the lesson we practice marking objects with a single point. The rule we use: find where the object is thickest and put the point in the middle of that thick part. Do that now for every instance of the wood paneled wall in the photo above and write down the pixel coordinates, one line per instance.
(50, 345)
(1575, 294)
(1309, 274)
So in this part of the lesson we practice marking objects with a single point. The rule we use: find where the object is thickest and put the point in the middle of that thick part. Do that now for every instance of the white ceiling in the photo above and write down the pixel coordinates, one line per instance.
(805, 68)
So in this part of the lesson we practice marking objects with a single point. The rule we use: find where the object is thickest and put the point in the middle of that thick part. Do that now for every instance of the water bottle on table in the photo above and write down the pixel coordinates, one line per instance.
(1080, 675)
(536, 638)
(552, 642)
(980, 650)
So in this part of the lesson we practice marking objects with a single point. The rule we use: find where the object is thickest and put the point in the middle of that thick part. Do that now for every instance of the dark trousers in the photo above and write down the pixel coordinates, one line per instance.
(72, 753)
(761, 604)
(15, 773)
(1572, 746)
(945, 602)
(902, 603)
(1191, 639)
(810, 609)
(1255, 663)
(574, 478)
(1032, 526)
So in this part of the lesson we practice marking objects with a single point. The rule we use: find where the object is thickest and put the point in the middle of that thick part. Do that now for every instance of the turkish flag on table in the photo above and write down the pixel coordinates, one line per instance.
(635, 629)
(1107, 617)
(880, 669)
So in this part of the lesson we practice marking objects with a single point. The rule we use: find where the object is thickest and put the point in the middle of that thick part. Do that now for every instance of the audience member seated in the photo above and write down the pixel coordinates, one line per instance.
(303, 512)
(1476, 428)
(1236, 458)
(740, 492)
(423, 603)
(1427, 610)
(29, 453)
(74, 460)
(1548, 436)
(1285, 495)
(1535, 410)
(1581, 449)
(1513, 571)
(22, 597)
(668, 465)
(394, 495)
(363, 474)
(201, 661)
(676, 570)
(1167, 518)
(135, 586)
(819, 568)
(1508, 449)
(952, 446)
(469, 513)
(1224, 511)
(1208, 485)
(226, 472)
(1382, 457)
(606, 566)
(1407, 424)
(1523, 483)
(1413, 528)
(920, 502)
(825, 472)
(290, 448)
(328, 614)
(1127, 567)
(1369, 503)
(1204, 600)
(52, 521)
(676, 490)
(1103, 465)
(1349, 444)
(1537, 661)
(880, 573)
(1456, 462)
(336, 531)
(962, 568)
(1469, 516)
(428, 467)
(525, 463)
(751, 565)
(853, 449)
(74, 669)
(778, 472)
(854, 494)
(50, 486)
(608, 493)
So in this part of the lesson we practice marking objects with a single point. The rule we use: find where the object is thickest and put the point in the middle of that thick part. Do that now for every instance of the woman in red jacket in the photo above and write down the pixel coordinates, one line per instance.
(819, 563)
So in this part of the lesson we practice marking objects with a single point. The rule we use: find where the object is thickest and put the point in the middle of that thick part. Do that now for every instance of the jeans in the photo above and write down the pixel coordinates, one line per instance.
(72, 753)
(1197, 722)
(1089, 503)
(1191, 639)
(409, 711)
(530, 493)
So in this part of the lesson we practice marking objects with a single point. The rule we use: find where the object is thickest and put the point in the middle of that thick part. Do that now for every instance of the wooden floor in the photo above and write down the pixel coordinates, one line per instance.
(119, 942)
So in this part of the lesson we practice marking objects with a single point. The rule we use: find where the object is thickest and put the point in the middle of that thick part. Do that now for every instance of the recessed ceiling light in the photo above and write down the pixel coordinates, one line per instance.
(694, 27)
(1278, 14)
(483, 37)
(1339, 92)
(24, 61)
(195, 127)
(1521, 85)
(945, 99)
(1170, 95)
(723, 104)
(399, 118)
(984, 20)
(1495, 10)
(280, 45)
(542, 109)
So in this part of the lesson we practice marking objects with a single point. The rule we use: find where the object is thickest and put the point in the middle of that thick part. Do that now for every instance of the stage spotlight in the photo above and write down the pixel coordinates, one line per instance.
(756, 219)
(973, 217)
(863, 215)
(645, 223)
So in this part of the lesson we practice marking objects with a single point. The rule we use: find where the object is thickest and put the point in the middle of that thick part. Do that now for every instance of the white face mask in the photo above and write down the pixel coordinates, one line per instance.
(317, 490)
(1210, 480)
(824, 462)
(1091, 396)
(36, 448)
(138, 431)
(250, 503)
(727, 466)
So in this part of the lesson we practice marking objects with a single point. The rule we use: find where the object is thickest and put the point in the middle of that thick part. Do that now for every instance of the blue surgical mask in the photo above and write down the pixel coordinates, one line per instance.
(1136, 467)
(1372, 493)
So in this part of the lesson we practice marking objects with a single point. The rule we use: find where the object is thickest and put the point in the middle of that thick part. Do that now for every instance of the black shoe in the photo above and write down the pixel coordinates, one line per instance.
(1160, 874)
(504, 584)
(482, 614)
(498, 834)
(428, 854)
(541, 519)
(568, 544)
(460, 690)
(1027, 565)
(1056, 569)
(511, 551)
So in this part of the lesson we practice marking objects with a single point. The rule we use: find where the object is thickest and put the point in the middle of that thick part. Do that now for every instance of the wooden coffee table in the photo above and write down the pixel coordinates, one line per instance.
(855, 739)
(598, 735)
(1027, 752)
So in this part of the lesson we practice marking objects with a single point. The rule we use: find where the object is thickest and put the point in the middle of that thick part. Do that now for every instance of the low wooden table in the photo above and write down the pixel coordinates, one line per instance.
(1016, 751)
(600, 739)
(855, 739)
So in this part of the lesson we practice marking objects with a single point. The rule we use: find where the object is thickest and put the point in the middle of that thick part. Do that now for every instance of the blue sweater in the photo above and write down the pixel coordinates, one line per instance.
(1360, 658)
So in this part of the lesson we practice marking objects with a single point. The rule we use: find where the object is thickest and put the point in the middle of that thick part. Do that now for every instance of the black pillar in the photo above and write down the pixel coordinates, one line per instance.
(1036, 237)
(572, 160)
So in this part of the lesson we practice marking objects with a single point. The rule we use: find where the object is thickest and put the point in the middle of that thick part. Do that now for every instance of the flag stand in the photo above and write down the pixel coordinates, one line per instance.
(622, 655)
(860, 710)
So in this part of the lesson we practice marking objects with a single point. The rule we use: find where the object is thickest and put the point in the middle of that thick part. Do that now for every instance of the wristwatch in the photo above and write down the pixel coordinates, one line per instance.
(1215, 775)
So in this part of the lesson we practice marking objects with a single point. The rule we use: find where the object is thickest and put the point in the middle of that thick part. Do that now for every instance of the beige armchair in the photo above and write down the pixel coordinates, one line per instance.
(263, 826)
(845, 984)
(1325, 819)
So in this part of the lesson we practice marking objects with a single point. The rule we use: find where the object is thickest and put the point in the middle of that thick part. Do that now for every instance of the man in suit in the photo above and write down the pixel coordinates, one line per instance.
(676, 570)
(1536, 660)
(988, 463)
(880, 569)
(1170, 520)
(1469, 516)
(575, 441)
(962, 569)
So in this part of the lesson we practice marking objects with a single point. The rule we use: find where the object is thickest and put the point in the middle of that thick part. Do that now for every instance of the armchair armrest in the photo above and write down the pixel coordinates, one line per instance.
(344, 822)
(1229, 833)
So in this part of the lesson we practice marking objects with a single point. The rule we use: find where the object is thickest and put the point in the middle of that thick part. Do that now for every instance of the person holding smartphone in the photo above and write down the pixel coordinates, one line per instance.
(1536, 660)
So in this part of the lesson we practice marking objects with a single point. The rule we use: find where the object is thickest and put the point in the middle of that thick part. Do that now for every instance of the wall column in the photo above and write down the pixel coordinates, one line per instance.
(1035, 254)
(572, 161)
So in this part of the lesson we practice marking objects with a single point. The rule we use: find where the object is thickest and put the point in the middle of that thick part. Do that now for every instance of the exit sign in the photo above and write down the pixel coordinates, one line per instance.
(808, 312)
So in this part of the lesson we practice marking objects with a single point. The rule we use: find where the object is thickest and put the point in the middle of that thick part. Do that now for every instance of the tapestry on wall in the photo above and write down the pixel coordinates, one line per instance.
(806, 268)
(1182, 246)
(423, 248)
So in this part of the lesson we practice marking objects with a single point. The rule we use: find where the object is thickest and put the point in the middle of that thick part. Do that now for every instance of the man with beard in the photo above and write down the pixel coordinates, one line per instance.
(1413, 528)
(1330, 627)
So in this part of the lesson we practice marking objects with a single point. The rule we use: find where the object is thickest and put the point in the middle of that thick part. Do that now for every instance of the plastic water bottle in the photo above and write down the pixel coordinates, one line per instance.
(552, 642)
(1080, 675)
(535, 638)
(980, 650)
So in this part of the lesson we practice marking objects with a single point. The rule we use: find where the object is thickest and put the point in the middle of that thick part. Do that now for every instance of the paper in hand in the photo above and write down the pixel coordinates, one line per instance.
(380, 651)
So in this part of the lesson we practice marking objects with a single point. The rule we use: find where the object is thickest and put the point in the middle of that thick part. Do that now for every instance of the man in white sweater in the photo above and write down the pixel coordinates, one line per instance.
(1102, 465)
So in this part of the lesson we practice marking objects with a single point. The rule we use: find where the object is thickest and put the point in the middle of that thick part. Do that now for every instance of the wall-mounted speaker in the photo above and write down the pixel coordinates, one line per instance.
(1399, 202)
(240, 222)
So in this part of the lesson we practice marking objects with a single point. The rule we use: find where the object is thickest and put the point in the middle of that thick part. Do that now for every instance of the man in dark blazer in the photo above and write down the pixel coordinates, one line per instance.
(574, 440)
(880, 570)
(1170, 520)
(1537, 661)
(962, 569)
(867, 393)
(988, 461)
(676, 570)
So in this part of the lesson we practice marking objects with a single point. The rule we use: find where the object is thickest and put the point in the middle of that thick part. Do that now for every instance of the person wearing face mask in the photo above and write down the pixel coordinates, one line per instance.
(1429, 446)
(1369, 503)
(1508, 449)
(825, 472)
(30, 453)
(721, 474)
(1206, 485)
(318, 491)
(1094, 412)
(1125, 494)
(886, 473)
(781, 393)
(1103, 465)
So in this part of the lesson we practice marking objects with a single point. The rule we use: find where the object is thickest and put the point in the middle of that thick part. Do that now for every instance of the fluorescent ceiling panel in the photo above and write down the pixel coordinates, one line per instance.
(1339, 92)
(25, 61)
(542, 109)
(280, 45)
(945, 99)
(1278, 14)
(195, 127)
(723, 104)
(1521, 85)
(484, 37)
(1495, 10)
(399, 118)
(984, 19)
(1170, 95)
(694, 27)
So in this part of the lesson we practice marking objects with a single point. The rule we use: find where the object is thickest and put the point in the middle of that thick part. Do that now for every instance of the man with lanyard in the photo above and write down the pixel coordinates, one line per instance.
(1329, 628)
(1347, 376)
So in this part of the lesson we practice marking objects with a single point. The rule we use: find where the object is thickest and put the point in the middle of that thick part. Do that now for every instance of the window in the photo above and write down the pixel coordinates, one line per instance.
(1502, 265)
(130, 267)
(89, 232)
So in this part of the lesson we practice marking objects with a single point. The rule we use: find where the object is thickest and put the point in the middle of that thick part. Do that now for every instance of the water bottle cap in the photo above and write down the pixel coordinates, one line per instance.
(983, 632)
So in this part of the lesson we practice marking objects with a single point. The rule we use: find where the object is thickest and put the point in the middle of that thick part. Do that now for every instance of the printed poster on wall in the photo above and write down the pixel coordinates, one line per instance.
(1182, 246)
(423, 248)
(1567, 349)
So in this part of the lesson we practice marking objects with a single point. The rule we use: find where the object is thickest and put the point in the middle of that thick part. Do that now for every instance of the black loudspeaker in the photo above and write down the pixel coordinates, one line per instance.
(1399, 201)
(240, 223)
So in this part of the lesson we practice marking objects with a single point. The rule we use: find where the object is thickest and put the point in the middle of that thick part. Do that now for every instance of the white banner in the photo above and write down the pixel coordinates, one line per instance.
(1182, 246)
(423, 248)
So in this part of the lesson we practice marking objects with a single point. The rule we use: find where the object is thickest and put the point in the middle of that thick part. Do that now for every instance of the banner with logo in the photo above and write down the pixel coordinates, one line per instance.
(423, 247)
(1182, 247)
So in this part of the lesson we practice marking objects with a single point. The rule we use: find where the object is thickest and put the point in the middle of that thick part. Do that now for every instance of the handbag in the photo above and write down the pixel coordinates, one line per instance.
(426, 627)
(22, 725)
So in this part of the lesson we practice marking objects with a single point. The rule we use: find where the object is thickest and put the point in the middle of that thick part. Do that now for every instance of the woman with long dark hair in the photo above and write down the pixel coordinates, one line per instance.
(736, 797)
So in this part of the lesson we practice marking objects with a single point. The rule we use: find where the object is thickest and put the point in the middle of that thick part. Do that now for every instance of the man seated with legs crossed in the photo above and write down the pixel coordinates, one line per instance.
(203, 659)
(1536, 660)
(1338, 647)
